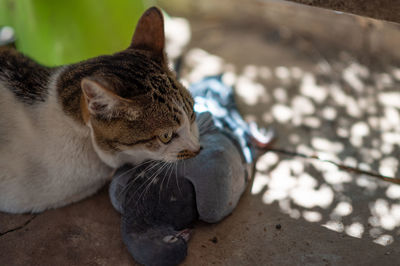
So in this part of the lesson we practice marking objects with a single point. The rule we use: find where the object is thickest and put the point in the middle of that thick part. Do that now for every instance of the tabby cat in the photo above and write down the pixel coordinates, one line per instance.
(64, 129)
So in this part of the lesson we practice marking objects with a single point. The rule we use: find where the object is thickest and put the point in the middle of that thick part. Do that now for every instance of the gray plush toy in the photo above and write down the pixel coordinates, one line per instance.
(160, 202)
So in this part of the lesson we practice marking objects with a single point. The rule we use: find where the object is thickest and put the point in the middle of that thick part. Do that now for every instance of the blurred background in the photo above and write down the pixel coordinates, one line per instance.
(327, 82)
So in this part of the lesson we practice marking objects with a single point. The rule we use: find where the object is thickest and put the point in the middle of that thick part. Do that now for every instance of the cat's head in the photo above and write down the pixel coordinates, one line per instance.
(133, 104)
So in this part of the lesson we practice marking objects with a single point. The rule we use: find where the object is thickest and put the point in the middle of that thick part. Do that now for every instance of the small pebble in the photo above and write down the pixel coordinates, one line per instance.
(214, 240)
(278, 226)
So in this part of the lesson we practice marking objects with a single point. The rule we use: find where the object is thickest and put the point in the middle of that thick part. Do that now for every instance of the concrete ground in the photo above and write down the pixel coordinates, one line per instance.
(323, 101)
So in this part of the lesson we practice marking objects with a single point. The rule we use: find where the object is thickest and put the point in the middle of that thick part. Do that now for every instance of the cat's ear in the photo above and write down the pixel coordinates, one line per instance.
(149, 33)
(99, 100)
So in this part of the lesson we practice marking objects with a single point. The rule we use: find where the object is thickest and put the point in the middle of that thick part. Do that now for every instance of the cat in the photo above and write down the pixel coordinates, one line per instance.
(63, 130)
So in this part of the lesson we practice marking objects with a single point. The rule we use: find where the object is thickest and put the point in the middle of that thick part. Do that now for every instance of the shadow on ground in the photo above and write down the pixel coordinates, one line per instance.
(334, 106)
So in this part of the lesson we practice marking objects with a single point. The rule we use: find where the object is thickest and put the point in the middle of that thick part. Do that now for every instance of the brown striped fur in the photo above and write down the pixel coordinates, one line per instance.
(150, 99)
(63, 129)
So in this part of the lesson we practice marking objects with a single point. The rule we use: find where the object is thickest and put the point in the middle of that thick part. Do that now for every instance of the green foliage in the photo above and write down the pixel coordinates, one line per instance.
(60, 32)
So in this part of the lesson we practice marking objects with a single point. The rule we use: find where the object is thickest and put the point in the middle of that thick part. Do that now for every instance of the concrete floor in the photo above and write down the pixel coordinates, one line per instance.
(321, 101)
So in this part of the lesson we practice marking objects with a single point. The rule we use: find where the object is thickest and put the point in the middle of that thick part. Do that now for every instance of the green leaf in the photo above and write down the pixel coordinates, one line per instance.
(63, 32)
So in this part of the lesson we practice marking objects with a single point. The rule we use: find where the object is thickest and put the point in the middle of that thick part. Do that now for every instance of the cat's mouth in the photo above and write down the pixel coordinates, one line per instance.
(186, 154)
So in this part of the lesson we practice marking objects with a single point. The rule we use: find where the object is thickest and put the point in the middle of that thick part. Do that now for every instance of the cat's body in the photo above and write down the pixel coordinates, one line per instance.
(46, 158)
(63, 130)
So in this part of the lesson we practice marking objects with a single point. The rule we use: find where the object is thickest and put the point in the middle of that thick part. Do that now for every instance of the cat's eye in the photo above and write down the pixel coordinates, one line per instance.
(166, 137)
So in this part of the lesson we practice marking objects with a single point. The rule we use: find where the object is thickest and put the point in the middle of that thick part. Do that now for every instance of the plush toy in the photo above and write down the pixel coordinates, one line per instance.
(159, 201)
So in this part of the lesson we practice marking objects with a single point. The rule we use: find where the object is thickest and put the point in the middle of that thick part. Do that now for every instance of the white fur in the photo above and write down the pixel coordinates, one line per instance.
(46, 159)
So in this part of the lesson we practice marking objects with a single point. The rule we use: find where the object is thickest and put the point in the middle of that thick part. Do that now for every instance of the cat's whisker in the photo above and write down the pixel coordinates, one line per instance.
(176, 178)
(151, 178)
(135, 167)
(171, 170)
(152, 163)
(150, 182)
(139, 176)
(163, 179)
(129, 183)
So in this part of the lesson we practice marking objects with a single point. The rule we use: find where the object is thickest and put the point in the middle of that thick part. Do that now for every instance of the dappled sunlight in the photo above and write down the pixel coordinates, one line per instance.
(341, 111)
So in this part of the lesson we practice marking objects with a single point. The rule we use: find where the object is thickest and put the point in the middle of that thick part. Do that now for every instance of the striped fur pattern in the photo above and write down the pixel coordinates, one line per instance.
(64, 129)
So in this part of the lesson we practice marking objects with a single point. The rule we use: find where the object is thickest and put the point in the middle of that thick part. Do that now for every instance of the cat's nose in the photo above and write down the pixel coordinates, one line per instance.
(195, 147)
(186, 154)
(197, 151)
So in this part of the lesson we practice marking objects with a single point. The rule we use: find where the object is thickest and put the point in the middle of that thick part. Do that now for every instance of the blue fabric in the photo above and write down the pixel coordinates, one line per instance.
(212, 95)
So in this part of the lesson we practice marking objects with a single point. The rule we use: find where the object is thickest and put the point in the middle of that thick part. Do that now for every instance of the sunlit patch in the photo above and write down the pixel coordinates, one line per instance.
(391, 138)
(385, 215)
(334, 226)
(250, 71)
(312, 122)
(286, 207)
(393, 192)
(352, 108)
(396, 73)
(392, 117)
(350, 161)
(360, 129)
(337, 94)
(337, 177)
(373, 121)
(343, 209)
(384, 240)
(367, 183)
(390, 99)
(388, 166)
(365, 166)
(303, 149)
(266, 161)
(355, 230)
(341, 111)
(202, 64)
(353, 74)
(280, 95)
(312, 216)
(229, 78)
(310, 88)
(282, 73)
(282, 113)
(260, 181)
(250, 91)
(383, 80)
(329, 113)
(294, 138)
(309, 198)
(326, 145)
(303, 105)
(342, 132)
